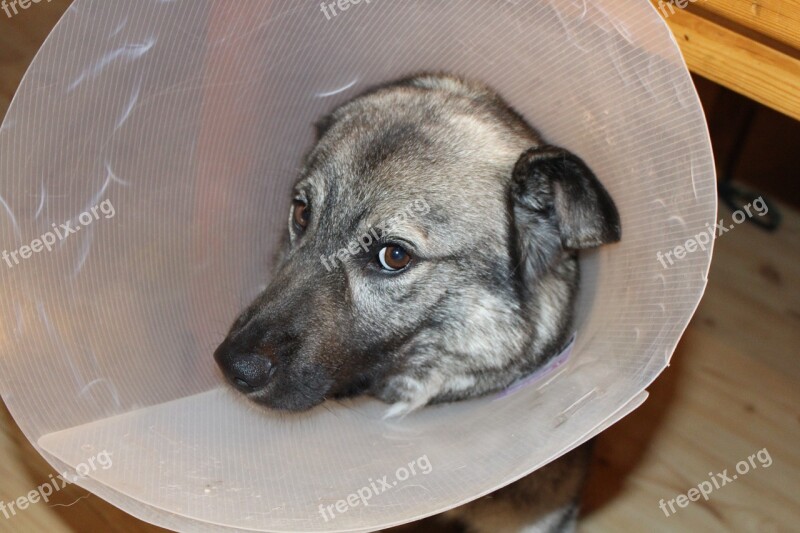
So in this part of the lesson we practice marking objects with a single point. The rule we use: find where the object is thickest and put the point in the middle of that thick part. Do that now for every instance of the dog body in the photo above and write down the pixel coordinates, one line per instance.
(431, 256)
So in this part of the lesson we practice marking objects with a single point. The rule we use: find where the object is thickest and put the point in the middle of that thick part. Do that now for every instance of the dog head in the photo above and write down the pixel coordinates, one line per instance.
(430, 254)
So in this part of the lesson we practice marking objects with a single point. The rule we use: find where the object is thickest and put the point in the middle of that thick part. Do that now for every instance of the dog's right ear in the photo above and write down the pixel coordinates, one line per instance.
(323, 125)
(558, 203)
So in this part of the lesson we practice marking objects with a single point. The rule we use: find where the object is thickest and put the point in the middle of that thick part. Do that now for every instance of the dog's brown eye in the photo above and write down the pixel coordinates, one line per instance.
(393, 258)
(301, 214)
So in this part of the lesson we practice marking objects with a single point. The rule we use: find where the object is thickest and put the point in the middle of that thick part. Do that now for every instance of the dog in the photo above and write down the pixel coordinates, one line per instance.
(431, 256)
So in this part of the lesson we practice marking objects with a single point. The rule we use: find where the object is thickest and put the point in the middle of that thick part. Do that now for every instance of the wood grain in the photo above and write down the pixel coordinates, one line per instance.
(778, 19)
(754, 69)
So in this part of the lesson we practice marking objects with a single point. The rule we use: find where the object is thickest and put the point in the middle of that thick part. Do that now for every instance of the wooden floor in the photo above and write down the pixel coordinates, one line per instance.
(732, 390)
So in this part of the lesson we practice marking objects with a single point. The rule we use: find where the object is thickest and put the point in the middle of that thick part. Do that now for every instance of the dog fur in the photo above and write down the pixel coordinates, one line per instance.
(486, 298)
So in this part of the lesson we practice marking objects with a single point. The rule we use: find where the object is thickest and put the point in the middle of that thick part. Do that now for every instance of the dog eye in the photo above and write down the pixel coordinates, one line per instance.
(301, 214)
(393, 258)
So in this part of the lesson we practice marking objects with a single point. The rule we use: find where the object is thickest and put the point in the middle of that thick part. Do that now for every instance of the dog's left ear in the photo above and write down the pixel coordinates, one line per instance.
(551, 180)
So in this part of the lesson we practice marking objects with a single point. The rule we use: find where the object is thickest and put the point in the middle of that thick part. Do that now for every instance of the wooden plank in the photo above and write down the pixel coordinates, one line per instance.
(777, 19)
(715, 406)
(748, 67)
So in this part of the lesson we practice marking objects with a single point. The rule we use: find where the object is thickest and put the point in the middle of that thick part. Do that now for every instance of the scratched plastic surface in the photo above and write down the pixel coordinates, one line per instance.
(188, 120)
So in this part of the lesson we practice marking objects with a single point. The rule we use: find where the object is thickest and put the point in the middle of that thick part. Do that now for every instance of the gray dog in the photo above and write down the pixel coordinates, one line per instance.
(431, 256)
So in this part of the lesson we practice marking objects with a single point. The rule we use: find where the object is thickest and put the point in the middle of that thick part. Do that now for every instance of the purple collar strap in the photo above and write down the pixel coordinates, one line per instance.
(554, 363)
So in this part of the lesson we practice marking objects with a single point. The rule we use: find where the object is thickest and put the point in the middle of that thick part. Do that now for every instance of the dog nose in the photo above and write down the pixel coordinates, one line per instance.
(250, 372)
(246, 371)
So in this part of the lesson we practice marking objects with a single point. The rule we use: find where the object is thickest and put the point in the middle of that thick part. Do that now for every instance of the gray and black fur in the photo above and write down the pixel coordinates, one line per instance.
(488, 294)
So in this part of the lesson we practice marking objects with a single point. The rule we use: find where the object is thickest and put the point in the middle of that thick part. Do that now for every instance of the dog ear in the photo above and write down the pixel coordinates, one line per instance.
(322, 125)
(550, 182)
